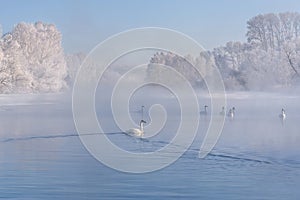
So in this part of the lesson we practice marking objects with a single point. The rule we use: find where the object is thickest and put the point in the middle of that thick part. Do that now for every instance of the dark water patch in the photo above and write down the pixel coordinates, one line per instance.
(53, 136)
(238, 158)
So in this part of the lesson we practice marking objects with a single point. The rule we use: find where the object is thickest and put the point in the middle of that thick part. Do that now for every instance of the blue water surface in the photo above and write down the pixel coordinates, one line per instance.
(257, 157)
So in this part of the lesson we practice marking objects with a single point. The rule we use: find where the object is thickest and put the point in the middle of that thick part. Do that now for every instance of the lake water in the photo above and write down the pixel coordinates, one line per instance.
(257, 157)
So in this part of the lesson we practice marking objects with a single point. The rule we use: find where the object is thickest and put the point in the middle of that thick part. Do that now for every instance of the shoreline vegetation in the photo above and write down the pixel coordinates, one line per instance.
(32, 59)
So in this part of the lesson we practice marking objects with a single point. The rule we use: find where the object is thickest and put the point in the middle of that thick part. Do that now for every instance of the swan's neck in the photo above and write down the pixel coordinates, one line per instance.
(142, 126)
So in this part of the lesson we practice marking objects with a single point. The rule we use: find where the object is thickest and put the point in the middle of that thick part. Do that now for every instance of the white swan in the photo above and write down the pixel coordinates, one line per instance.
(204, 112)
(231, 113)
(282, 115)
(138, 132)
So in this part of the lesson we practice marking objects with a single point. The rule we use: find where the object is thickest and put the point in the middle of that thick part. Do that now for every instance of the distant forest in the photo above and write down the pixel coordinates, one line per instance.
(32, 59)
(270, 58)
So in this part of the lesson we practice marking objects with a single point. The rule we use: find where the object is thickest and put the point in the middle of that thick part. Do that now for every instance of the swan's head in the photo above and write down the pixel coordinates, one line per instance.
(143, 122)
(205, 106)
(233, 108)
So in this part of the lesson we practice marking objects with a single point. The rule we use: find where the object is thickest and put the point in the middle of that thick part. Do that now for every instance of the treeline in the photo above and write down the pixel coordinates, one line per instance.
(32, 58)
(270, 58)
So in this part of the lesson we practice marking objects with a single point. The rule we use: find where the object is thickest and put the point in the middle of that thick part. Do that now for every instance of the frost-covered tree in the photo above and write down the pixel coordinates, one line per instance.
(278, 35)
(184, 66)
(229, 60)
(13, 74)
(194, 69)
(251, 67)
(265, 69)
(73, 63)
(41, 47)
(291, 52)
(271, 31)
(270, 58)
(33, 59)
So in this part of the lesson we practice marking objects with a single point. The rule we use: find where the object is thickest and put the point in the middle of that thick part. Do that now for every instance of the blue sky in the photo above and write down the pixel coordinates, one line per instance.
(85, 23)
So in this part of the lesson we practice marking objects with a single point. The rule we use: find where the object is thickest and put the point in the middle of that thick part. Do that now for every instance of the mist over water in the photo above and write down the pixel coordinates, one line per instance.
(257, 155)
(257, 127)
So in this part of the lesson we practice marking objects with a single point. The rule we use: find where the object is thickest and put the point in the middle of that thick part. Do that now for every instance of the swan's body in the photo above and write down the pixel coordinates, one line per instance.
(138, 132)
(231, 113)
(204, 112)
(223, 111)
(282, 115)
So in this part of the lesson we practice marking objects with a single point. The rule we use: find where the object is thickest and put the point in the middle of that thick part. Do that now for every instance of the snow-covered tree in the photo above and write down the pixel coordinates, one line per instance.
(184, 66)
(194, 69)
(13, 75)
(251, 67)
(273, 30)
(41, 46)
(229, 60)
(73, 63)
(33, 59)
(270, 58)
(291, 52)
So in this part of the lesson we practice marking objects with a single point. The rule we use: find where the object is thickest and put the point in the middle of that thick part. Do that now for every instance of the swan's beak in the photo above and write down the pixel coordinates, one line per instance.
(143, 121)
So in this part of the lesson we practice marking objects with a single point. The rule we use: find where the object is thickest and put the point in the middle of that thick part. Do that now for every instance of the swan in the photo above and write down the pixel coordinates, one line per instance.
(282, 115)
(204, 112)
(138, 132)
(231, 113)
(223, 111)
